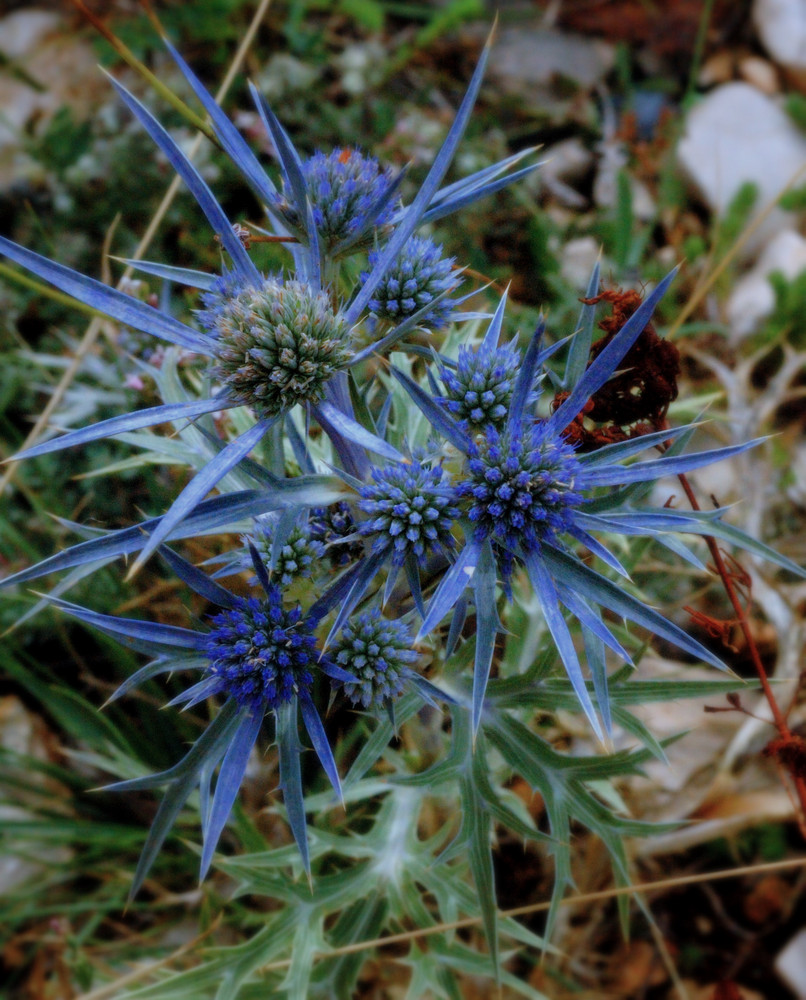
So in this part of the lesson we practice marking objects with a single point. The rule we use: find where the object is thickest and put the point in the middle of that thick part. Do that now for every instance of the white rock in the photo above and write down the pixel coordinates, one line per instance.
(737, 134)
(283, 74)
(577, 260)
(781, 25)
(753, 299)
(613, 158)
(24, 30)
(63, 64)
(796, 491)
(361, 66)
(790, 964)
(526, 61)
(564, 162)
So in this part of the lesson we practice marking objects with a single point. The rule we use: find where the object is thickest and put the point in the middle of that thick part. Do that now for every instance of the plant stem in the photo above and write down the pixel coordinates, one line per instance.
(779, 718)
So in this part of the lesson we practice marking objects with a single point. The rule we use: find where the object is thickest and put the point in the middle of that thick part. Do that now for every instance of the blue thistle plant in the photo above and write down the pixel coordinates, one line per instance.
(526, 498)
(260, 658)
(501, 500)
(265, 365)
(378, 653)
(418, 277)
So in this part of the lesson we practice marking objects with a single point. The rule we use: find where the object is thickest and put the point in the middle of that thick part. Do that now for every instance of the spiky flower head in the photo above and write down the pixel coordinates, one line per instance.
(296, 557)
(411, 508)
(378, 653)
(216, 300)
(479, 390)
(329, 525)
(345, 188)
(519, 489)
(261, 653)
(278, 344)
(418, 276)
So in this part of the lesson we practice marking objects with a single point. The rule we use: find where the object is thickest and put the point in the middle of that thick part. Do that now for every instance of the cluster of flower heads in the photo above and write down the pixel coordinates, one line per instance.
(262, 654)
(492, 484)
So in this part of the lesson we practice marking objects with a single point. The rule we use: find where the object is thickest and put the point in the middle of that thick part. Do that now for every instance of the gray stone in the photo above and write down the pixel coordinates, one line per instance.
(24, 30)
(63, 64)
(790, 964)
(752, 298)
(528, 61)
(577, 260)
(781, 25)
(735, 135)
(564, 162)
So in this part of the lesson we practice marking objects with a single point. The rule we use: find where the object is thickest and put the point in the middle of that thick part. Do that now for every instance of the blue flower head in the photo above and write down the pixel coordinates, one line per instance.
(411, 510)
(261, 653)
(346, 190)
(418, 276)
(216, 301)
(378, 653)
(296, 557)
(260, 658)
(519, 488)
(479, 390)
(328, 526)
(278, 345)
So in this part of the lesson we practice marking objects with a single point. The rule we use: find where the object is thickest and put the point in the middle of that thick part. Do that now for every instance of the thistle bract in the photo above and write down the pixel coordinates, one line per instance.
(411, 507)
(344, 188)
(262, 653)
(278, 344)
(418, 276)
(378, 653)
(479, 390)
